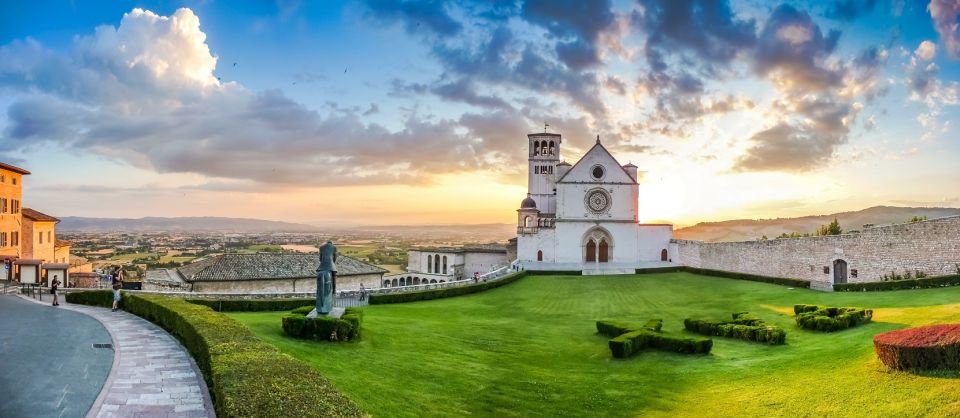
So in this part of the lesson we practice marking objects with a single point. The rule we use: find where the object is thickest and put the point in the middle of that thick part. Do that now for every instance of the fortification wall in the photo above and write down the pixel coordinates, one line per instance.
(932, 247)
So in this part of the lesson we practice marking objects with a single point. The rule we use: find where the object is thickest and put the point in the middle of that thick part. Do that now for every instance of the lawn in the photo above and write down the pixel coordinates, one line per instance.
(531, 349)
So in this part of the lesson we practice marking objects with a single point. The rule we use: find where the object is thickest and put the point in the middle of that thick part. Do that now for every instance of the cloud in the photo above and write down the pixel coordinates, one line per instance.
(946, 20)
(144, 92)
(431, 15)
(791, 50)
(463, 91)
(848, 10)
(921, 72)
(926, 50)
(615, 85)
(576, 25)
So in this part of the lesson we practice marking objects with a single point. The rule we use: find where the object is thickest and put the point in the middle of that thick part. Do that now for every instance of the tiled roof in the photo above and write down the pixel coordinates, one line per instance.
(62, 243)
(13, 168)
(260, 266)
(482, 248)
(38, 216)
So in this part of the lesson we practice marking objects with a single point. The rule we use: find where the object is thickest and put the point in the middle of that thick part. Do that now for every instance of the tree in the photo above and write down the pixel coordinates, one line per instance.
(833, 228)
(916, 219)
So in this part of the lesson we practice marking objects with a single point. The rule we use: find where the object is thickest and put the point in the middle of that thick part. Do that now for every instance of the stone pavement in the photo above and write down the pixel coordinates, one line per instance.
(153, 375)
(48, 365)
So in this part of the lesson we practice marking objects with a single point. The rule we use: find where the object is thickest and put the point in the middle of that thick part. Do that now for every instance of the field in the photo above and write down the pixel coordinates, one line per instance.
(531, 349)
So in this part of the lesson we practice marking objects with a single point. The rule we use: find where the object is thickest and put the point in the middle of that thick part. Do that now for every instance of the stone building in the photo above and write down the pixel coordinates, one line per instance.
(445, 264)
(11, 198)
(262, 272)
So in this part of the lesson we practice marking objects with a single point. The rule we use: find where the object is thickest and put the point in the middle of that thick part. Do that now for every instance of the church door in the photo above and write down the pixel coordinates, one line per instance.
(591, 251)
(839, 271)
(663, 255)
(604, 251)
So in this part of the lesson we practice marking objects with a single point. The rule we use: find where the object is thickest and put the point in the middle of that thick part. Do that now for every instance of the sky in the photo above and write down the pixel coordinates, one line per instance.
(376, 112)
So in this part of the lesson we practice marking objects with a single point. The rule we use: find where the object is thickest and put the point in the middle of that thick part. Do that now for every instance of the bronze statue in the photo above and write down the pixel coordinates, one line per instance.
(326, 278)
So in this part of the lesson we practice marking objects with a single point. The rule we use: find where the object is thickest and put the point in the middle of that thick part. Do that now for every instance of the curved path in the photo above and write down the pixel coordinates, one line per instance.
(152, 374)
(48, 366)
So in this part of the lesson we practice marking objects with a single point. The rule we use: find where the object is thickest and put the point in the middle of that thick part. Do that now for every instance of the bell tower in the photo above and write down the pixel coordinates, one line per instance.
(544, 155)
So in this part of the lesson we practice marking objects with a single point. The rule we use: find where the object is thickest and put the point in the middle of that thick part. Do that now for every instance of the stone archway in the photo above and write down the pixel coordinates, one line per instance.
(597, 246)
(839, 271)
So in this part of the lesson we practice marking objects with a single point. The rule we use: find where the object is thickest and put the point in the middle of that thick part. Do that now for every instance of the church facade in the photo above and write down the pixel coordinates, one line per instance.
(585, 216)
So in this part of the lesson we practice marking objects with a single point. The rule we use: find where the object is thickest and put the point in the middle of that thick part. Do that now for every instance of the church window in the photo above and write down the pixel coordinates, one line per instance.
(597, 172)
(552, 148)
(526, 222)
(536, 147)
(550, 169)
(536, 169)
(444, 264)
(436, 263)
(539, 255)
(429, 264)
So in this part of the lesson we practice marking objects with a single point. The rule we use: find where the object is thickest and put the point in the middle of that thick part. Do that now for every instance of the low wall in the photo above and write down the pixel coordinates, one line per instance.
(932, 247)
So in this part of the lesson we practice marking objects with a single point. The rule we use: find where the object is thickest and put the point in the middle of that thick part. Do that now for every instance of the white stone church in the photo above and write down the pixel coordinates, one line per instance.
(585, 216)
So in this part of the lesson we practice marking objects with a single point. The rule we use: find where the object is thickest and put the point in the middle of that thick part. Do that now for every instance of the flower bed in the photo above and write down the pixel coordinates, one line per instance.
(935, 347)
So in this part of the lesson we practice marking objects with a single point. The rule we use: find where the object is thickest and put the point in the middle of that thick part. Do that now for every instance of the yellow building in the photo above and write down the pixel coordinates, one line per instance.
(39, 236)
(11, 197)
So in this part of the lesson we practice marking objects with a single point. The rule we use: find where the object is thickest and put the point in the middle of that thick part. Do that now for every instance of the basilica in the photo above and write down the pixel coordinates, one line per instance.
(584, 216)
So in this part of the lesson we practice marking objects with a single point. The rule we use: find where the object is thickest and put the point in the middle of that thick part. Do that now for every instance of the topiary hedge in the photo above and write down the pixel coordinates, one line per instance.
(927, 282)
(743, 326)
(246, 377)
(629, 339)
(444, 292)
(253, 305)
(325, 328)
(102, 298)
(830, 319)
(749, 277)
(935, 347)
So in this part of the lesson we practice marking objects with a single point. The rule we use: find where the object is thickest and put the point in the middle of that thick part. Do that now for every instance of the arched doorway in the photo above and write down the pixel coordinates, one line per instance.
(416, 281)
(603, 252)
(539, 255)
(386, 283)
(839, 271)
(403, 281)
(663, 254)
(394, 283)
(591, 250)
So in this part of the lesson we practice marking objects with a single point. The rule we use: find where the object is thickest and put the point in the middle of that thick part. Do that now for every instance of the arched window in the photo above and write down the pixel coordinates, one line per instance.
(591, 251)
(429, 264)
(527, 222)
(433, 281)
(394, 283)
(403, 281)
(539, 255)
(436, 263)
(551, 150)
(663, 254)
(444, 264)
(536, 147)
(416, 280)
(386, 283)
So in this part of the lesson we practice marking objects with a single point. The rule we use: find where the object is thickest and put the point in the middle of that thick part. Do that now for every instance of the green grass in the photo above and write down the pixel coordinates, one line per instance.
(531, 349)
(176, 258)
(127, 258)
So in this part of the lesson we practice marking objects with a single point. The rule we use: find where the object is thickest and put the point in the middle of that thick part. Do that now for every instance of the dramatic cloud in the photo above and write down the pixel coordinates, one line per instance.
(576, 24)
(848, 10)
(921, 72)
(946, 19)
(792, 51)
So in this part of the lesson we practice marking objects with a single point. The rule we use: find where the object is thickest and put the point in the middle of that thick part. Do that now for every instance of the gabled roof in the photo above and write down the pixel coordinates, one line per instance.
(13, 168)
(38, 216)
(266, 266)
(598, 147)
(62, 243)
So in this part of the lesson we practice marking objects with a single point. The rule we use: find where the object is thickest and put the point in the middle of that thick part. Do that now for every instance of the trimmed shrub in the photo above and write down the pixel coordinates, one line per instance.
(324, 328)
(830, 319)
(629, 339)
(246, 377)
(729, 274)
(935, 347)
(612, 329)
(923, 283)
(253, 305)
(742, 326)
(444, 292)
(102, 298)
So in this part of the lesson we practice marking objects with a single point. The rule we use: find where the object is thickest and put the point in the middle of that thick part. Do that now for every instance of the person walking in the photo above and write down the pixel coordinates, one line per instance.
(363, 293)
(117, 285)
(54, 285)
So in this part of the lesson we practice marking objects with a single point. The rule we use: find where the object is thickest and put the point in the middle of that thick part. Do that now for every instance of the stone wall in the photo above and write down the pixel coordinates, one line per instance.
(932, 247)
(307, 284)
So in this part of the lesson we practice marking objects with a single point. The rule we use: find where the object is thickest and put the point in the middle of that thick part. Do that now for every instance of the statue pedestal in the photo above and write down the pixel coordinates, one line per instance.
(335, 313)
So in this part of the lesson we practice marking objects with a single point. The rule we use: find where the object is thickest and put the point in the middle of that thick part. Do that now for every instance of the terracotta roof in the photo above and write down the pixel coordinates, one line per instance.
(38, 216)
(260, 266)
(13, 168)
(490, 248)
(62, 243)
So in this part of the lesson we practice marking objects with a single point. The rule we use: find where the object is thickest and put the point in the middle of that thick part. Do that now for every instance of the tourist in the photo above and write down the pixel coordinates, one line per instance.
(363, 293)
(117, 285)
(54, 285)
(476, 276)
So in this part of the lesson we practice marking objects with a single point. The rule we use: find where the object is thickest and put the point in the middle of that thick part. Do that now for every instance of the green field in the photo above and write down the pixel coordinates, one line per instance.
(127, 258)
(531, 349)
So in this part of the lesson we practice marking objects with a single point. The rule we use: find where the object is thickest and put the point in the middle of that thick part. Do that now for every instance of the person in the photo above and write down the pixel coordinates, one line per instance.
(476, 276)
(117, 285)
(363, 293)
(54, 285)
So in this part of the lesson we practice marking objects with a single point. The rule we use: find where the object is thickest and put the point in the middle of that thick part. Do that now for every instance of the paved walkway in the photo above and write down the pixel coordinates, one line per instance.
(152, 374)
(48, 366)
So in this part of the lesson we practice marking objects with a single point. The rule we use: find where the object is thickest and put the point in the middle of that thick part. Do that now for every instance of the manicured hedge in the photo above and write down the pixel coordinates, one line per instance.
(324, 328)
(629, 339)
(102, 298)
(743, 326)
(246, 377)
(927, 282)
(555, 272)
(935, 347)
(654, 270)
(829, 319)
(750, 277)
(444, 292)
(253, 305)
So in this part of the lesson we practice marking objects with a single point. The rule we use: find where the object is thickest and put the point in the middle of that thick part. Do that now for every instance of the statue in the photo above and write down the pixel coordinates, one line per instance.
(326, 278)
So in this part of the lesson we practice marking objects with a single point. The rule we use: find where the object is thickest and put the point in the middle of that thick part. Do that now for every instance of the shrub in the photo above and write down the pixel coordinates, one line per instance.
(830, 319)
(742, 326)
(102, 298)
(935, 347)
(253, 305)
(325, 328)
(730, 275)
(922, 283)
(629, 339)
(612, 329)
(444, 292)
(246, 377)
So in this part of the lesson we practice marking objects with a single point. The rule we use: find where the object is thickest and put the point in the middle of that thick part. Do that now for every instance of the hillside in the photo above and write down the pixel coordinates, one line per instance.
(154, 224)
(747, 229)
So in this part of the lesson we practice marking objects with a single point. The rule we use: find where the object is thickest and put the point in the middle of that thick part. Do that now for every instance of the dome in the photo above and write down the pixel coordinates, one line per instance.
(528, 203)
(629, 165)
(563, 163)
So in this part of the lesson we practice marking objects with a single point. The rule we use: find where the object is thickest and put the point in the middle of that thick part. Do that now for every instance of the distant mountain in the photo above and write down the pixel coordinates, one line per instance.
(747, 229)
(205, 223)
(469, 233)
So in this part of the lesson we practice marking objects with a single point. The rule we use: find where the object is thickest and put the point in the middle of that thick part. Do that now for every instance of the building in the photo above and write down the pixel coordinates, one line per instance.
(445, 264)
(584, 217)
(39, 236)
(261, 272)
(11, 198)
